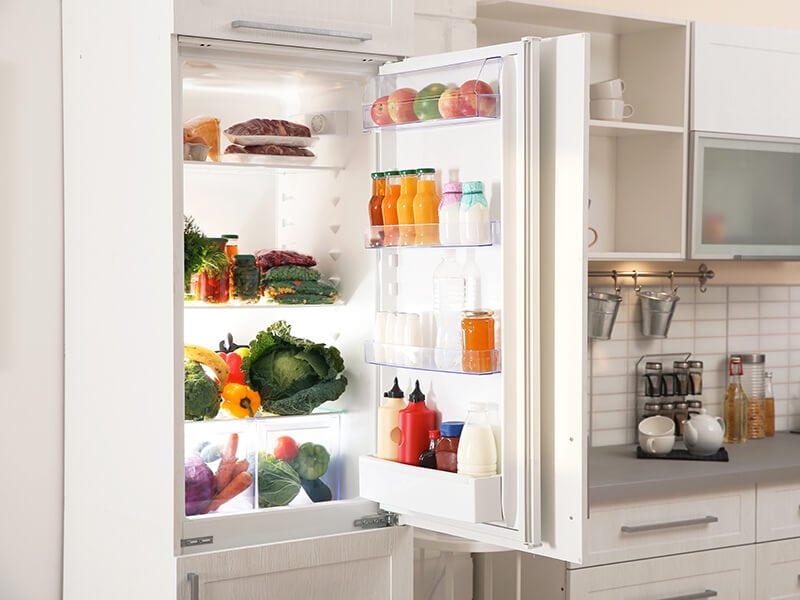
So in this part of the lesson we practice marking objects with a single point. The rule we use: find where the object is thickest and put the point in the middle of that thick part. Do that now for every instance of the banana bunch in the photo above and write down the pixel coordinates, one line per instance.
(209, 358)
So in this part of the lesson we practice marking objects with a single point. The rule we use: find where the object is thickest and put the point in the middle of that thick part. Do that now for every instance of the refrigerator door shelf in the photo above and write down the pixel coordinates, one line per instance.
(409, 489)
(440, 95)
(375, 236)
(440, 360)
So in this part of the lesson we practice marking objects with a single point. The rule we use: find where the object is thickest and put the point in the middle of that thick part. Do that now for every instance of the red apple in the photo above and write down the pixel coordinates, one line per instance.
(450, 103)
(380, 111)
(401, 105)
(477, 98)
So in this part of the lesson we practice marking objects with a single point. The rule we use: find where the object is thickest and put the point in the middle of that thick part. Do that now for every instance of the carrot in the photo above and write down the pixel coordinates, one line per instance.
(237, 485)
(239, 466)
(226, 463)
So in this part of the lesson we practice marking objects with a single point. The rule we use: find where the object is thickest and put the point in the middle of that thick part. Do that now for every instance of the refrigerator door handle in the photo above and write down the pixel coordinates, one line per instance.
(350, 35)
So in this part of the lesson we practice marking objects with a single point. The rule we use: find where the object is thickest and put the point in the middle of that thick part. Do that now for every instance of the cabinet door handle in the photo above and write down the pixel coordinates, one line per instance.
(669, 525)
(194, 586)
(695, 596)
(350, 35)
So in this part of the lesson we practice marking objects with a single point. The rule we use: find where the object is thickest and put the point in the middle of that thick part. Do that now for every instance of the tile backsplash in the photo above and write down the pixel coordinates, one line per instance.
(711, 326)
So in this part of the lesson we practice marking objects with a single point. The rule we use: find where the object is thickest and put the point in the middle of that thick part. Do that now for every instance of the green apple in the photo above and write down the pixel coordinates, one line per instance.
(426, 104)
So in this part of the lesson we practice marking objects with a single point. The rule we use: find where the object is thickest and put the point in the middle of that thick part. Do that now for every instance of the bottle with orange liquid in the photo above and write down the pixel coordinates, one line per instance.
(426, 209)
(405, 207)
(389, 208)
(375, 211)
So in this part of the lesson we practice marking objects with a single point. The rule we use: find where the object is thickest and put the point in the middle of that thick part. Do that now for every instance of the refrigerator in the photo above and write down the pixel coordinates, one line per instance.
(529, 152)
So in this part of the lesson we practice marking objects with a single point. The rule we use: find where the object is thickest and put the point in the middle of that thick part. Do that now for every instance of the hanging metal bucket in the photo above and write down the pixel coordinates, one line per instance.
(603, 309)
(657, 311)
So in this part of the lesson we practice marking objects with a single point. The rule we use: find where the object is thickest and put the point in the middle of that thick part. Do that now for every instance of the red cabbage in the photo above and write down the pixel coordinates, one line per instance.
(200, 485)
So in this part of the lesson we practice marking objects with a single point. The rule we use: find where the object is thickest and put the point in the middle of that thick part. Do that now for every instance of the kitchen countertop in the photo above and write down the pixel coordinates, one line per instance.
(615, 474)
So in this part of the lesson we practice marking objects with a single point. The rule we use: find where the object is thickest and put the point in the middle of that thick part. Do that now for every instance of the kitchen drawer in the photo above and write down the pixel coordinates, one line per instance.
(617, 532)
(778, 570)
(778, 512)
(726, 574)
(378, 27)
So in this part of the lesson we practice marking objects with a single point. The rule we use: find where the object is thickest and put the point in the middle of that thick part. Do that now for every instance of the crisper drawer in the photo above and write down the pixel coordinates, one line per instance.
(370, 27)
(777, 569)
(778, 514)
(406, 488)
(724, 574)
(620, 532)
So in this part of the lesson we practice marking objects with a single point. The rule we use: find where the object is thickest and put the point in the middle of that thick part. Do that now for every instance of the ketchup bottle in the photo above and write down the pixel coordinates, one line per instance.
(416, 419)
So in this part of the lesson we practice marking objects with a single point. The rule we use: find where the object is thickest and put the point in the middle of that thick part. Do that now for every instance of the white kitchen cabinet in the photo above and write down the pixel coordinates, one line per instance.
(778, 570)
(744, 80)
(637, 167)
(778, 515)
(356, 26)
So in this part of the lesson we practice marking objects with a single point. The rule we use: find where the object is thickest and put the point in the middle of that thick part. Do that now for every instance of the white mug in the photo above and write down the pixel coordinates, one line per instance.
(611, 88)
(610, 109)
(657, 435)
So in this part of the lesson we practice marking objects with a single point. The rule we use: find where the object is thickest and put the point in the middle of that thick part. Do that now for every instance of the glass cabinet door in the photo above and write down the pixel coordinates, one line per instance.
(745, 197)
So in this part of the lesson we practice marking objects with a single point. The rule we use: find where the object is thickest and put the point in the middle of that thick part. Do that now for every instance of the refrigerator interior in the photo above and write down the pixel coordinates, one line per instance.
(320, 208)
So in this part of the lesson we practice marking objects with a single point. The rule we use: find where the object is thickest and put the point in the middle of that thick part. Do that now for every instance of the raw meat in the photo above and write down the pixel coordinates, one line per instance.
(271, 149)
(269, 127)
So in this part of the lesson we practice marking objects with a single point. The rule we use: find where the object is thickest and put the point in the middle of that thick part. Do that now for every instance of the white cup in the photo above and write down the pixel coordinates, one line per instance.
(412, 338)
(610, 109)
(657, 435)
(612, 88)
(380, 335)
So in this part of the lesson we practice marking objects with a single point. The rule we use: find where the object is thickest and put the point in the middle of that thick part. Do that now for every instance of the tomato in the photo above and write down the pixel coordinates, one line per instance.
(285, 448)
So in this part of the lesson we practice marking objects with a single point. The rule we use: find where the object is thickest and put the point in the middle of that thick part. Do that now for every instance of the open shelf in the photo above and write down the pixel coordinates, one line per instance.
(237, 166)
(440, 360)
(439, 493)
(261, 304)
(375, 237)
(626, 128)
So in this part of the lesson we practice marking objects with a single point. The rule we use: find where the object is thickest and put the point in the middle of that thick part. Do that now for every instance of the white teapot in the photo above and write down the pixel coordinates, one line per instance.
(703, 434)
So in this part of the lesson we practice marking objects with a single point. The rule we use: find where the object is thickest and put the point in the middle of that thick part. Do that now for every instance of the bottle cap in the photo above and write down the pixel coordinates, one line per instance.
(416, 395)
(680, 364)
(695, 364)
(392, 173)
(471, 187)
(377, 174)
(451, 428)
(452, 187)
(652, 366)
(395, 392)
(476, 314)
(426, 170)
(735, 366)
(230, 236)
(244, 258)
(217, 240)
(407, 172)
(750, 359)
(434, 434)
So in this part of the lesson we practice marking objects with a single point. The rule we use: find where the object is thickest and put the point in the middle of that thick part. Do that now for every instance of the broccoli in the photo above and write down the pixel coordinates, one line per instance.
(200, 392)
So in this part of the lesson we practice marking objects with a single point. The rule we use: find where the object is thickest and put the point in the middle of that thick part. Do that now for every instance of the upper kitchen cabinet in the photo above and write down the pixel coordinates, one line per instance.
(744, 80)
(379, 27)
(636, 205)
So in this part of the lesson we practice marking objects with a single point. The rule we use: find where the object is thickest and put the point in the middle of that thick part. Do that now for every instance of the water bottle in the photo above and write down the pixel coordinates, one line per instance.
(449, 289)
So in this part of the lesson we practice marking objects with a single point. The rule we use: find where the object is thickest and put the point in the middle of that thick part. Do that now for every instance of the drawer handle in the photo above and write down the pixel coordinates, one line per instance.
(194, 586)
(695, 596)
(669, 525)
(350, 35)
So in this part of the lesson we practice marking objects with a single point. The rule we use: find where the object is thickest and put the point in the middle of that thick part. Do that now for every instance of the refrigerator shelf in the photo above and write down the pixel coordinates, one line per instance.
(407, 488)
(375, 237)
(279, 167)
(440, 360)
(446, 95)
(260, 305)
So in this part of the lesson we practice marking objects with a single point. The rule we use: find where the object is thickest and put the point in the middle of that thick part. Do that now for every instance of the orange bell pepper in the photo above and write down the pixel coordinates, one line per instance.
(240, 401)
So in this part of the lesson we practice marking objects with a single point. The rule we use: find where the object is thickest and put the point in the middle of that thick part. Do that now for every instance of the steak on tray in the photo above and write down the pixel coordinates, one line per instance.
(269, 127)
(271, 149)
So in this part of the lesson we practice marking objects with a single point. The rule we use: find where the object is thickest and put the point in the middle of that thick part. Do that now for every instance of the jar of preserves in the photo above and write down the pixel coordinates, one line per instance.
(447, 448)
(245, 278)
(478, 334)
(214, 285)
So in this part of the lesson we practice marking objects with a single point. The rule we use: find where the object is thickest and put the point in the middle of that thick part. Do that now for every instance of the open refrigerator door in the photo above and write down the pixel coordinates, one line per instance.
(314, 203)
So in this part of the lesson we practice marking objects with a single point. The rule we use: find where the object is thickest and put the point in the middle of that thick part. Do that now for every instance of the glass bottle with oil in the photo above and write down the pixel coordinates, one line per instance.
(735, 408)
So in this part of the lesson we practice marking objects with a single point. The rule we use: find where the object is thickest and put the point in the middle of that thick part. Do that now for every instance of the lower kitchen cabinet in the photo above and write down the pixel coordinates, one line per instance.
(778, 570)
(778, 515)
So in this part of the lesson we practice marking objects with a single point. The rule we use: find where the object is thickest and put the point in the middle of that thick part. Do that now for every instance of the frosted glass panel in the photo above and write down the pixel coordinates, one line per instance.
(746, 197)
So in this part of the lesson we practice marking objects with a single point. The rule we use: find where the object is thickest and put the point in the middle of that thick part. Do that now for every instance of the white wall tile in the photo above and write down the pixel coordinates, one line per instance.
(771, 310)
(742, 294)
(609, 385)
(613, 420)
(709, 312)
(742, 343)
(610, 366)
(713, 294)
(794, 309)
(743, 327)
(685, 345)
(710, 345)
(773, 293)
(681, 329)
(773, 326)
(794, 292)
(743, 310)
(614, 437)
(610, 402)
(609, 349)
(767, 343)
(777, 359)
(710, 329)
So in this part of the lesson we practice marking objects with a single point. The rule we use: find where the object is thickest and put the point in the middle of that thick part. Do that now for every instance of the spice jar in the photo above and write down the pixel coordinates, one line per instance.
(447, 448)
(652, 379)
(769, 405)
(680, 373)
(694, 407)
(680, 414)
(651, 409)
(667, 409)
(245, 278)
(695, 377)
(478, 334)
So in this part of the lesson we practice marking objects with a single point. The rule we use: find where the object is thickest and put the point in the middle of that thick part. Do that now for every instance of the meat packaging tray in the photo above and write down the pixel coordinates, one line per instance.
(270, 160)
(281, 140)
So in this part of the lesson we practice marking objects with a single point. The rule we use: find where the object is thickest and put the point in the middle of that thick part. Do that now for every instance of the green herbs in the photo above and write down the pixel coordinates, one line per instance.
(200, 253)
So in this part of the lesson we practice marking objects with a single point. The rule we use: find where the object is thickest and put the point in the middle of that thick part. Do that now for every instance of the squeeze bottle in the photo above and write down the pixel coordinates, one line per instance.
(416, 419)
(388, 416)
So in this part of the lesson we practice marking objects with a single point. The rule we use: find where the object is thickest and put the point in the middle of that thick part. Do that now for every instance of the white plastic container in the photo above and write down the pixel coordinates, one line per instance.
(448, 302)
(474, 214)
(477, 450)
(449, 214)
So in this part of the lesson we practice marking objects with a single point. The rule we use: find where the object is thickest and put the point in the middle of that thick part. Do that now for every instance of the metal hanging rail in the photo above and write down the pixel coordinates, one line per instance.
(703, 275)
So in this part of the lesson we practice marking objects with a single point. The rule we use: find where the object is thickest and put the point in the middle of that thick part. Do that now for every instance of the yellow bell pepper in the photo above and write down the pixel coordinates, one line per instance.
(240, 401)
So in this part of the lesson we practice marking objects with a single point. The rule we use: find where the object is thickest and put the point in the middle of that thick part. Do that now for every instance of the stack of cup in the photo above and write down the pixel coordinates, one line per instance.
(400, 337)
(606, 101)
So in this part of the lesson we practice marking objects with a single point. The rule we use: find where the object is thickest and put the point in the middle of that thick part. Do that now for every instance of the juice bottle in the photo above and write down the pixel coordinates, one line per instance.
(374, 208)
(389, 208)
(426, 209)
(405, 206)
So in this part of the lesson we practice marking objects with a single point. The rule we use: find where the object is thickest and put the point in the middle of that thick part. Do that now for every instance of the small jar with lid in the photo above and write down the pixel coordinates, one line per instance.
(752, 374)
(652, 379)
(214, 284)
(477, 328)
(680, 374)
(680, 414)
(473, 214)
(245, 279)
(447, 448)
(667, 409)
(449, 206)
(695, 377)
(694, 407)
(650, 409)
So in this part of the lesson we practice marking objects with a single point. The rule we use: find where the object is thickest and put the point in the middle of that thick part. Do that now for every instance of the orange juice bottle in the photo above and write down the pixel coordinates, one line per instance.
(374, 208)
(426, 209)
(389, 208)
(405, 206)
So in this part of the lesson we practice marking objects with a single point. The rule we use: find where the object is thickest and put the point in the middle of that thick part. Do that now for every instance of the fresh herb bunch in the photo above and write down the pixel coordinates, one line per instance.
(200, 253)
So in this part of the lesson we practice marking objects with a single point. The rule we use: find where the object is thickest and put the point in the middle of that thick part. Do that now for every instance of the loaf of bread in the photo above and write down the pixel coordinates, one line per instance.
(203, 130)
(268, 127)
(270, 149)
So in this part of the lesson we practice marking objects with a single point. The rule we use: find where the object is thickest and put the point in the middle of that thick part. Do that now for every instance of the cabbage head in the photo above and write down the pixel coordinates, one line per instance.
(293, 375)
(278, 482)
